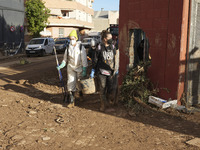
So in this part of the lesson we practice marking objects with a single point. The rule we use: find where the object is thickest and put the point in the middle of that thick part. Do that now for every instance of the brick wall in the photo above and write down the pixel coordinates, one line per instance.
(162, 21)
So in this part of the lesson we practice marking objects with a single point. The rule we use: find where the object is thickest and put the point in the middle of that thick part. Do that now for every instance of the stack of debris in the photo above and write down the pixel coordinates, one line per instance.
(137, 87)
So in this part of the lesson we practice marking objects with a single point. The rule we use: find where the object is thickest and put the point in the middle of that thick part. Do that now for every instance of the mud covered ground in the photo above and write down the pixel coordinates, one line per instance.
(33, 116)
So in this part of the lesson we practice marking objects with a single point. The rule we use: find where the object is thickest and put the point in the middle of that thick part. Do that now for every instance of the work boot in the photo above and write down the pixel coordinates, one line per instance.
(103, 100)
(66, 98)
(72, 100)
(81, 96)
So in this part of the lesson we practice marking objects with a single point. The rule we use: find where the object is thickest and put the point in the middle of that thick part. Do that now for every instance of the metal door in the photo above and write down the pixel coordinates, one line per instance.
(193, 65)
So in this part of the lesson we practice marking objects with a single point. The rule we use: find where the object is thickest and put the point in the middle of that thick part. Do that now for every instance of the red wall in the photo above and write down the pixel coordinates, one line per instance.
(161, 20)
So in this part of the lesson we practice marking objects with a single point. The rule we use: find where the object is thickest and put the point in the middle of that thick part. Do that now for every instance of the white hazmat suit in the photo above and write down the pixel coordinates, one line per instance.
(75, 58)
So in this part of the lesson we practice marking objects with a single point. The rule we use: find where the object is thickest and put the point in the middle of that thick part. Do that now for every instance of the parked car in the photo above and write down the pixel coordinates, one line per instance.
(40, 46)
(61, 45)
(63, 38)
(87, 42)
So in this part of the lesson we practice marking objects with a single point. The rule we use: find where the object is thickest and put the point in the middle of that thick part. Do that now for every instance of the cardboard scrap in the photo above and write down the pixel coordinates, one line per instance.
(194, 142)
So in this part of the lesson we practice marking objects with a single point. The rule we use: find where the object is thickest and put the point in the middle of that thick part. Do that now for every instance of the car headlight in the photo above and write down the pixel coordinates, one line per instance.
(40, 46)
(27, 47)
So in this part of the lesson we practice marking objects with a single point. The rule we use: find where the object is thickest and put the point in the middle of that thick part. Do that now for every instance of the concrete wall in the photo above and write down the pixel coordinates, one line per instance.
(100, 24)
(162, 22)
(103, 22)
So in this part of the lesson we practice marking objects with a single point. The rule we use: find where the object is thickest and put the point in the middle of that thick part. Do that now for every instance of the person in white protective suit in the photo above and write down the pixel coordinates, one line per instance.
(75, 58)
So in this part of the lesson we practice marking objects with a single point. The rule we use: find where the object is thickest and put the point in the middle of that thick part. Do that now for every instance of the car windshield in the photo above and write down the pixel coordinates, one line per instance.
(36, 41)
(86, 40)
(60, 42)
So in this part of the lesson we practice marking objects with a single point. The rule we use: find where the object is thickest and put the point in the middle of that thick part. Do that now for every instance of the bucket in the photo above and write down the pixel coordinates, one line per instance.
(88, 86)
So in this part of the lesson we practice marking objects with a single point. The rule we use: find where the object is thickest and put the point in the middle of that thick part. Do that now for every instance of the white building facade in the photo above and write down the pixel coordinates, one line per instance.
(67, 15)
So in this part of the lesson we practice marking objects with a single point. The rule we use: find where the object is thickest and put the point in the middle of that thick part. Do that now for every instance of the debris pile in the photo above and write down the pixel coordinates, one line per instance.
(137, 87)
(138, 93)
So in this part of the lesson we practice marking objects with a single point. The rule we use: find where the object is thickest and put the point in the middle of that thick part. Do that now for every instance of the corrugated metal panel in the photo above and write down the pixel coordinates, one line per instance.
(193, 86)
(1, 28)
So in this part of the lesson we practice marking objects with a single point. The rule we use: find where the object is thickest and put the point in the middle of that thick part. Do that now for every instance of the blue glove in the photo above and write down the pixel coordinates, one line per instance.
(62, 65)
(92, 73)
(84, 73)
(117, 72)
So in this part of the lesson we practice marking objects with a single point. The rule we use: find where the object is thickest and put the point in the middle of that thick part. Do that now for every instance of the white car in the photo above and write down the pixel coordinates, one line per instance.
(40, 46)
(87, 42)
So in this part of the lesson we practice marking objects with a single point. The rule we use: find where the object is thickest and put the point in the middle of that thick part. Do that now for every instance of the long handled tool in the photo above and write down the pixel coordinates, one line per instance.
(64, 92)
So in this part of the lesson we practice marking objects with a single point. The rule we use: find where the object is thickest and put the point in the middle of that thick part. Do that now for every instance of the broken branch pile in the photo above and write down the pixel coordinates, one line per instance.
(137, 87)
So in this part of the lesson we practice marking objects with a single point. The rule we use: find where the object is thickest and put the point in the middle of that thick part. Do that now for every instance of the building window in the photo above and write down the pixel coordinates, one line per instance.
(65, 13)
(61, 32)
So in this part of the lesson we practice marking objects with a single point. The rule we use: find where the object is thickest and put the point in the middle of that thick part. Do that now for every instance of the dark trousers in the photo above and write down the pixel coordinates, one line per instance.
(108, 87)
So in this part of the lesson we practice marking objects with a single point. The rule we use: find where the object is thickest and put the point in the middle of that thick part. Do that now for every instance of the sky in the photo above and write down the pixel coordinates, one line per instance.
(106, 4)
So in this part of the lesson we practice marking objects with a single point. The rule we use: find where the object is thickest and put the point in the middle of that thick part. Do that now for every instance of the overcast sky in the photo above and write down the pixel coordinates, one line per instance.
(106, 4)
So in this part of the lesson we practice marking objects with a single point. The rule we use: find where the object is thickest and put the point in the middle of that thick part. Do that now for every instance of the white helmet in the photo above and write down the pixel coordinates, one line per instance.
(93, 43)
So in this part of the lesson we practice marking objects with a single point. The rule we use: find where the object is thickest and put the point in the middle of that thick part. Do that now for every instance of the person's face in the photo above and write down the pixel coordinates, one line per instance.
(82, 32)
(72, 38)
(109, 37)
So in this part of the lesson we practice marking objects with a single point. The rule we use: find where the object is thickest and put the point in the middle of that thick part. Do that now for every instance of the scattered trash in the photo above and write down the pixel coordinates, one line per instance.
(194, 142)
(23, 61)
(180, 108)
(46, 138)
(32, 112)
(19, 101)
(105, 137)
(59, 120)
(133, 132)
(169, 104)
(156, 101)
(161, 102)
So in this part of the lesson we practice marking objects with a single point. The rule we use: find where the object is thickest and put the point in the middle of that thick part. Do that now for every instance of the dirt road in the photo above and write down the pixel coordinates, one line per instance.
(34, 117)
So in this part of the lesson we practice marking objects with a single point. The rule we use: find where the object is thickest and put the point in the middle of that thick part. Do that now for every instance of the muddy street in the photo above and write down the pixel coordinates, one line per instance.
(33, 116)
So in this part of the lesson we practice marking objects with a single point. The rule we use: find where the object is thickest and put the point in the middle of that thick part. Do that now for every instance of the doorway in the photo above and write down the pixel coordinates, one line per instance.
(138, 47)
